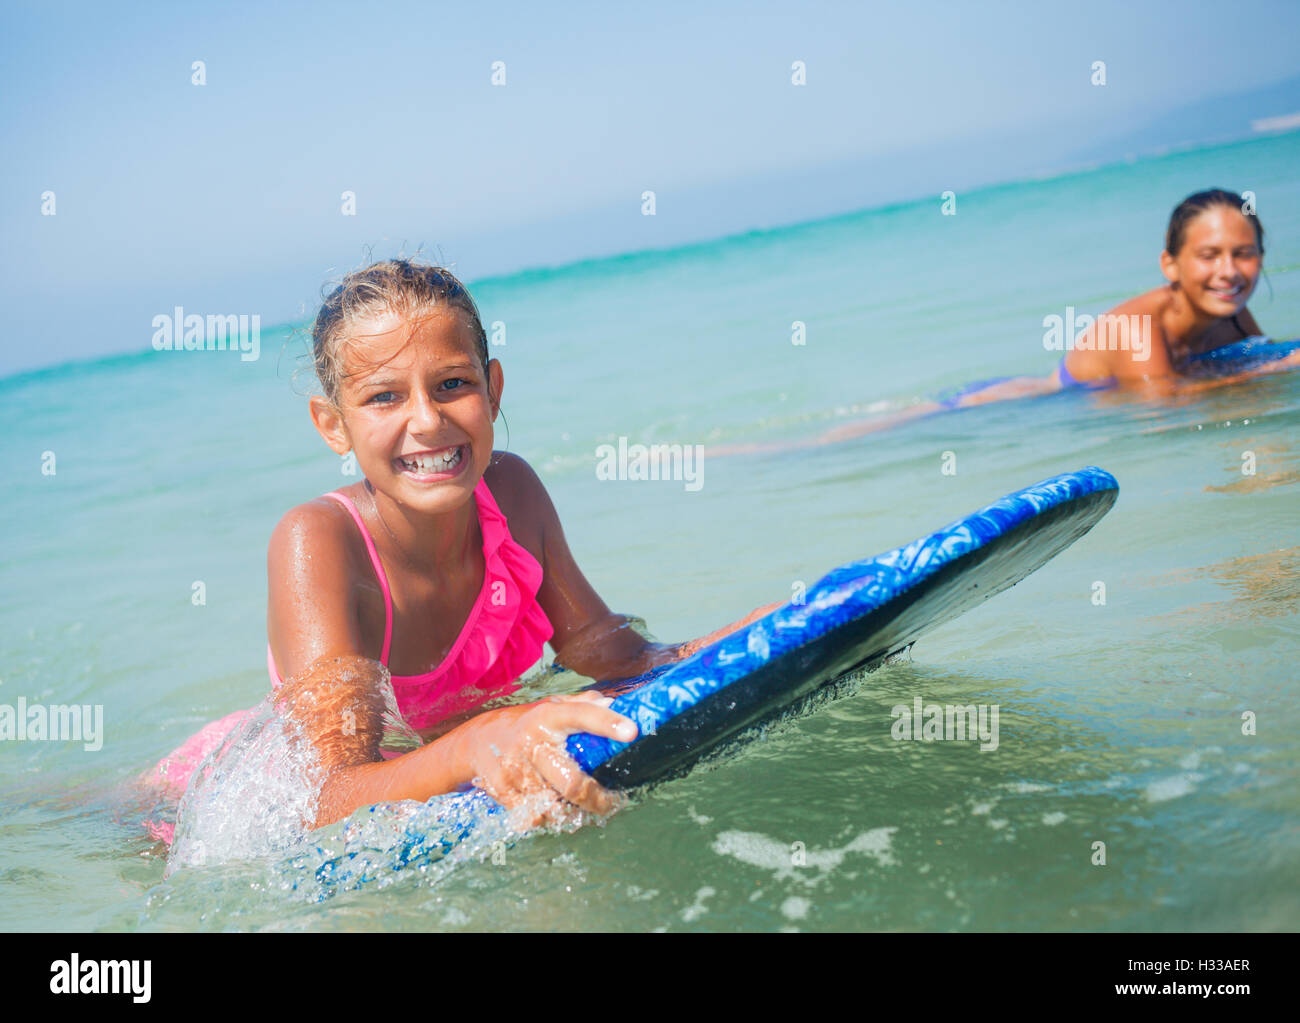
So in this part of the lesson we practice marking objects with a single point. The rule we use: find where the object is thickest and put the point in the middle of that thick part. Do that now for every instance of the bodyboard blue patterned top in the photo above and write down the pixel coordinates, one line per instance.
(1241, 356)
(854, 617)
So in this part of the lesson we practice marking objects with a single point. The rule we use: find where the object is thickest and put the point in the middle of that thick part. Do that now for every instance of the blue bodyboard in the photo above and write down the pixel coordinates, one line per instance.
(1240, 357)
(853, 618)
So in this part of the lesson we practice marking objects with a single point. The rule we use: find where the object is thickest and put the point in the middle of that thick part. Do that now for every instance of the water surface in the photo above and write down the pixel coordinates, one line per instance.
(1120, 722)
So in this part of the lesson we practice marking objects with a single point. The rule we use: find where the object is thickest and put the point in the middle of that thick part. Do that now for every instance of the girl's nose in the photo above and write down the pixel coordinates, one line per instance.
(426, 415)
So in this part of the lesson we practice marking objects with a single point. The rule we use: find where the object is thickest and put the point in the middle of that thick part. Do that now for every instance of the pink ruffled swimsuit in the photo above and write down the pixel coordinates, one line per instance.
(503, 637)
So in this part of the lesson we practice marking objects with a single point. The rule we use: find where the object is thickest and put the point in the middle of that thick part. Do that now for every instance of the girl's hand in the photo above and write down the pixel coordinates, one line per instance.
(517, 755)
(685, 650)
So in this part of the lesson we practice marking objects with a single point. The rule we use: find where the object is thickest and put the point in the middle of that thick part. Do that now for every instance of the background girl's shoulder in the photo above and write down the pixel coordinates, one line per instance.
(1150, 302)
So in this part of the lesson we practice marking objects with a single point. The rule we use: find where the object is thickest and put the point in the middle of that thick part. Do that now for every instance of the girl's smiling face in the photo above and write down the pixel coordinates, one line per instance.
(1218, 265)
(416, 407)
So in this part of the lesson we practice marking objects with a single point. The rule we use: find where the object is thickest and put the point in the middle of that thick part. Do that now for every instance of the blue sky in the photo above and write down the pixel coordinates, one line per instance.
(226, 197)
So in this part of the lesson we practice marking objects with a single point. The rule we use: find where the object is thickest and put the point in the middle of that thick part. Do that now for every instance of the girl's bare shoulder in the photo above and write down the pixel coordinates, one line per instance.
(522, 498)
(1149, 303)
(315, 563)
(317, 535)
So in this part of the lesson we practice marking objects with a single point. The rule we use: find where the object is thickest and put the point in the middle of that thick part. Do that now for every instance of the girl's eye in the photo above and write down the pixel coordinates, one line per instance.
(454, 380)
(378, 398)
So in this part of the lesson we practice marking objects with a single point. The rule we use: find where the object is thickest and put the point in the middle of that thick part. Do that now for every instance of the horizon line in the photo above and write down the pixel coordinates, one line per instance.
(1161, 152)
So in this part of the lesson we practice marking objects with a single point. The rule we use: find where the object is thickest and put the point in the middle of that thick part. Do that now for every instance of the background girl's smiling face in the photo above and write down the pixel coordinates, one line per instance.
(1218, 265)
(418, 407)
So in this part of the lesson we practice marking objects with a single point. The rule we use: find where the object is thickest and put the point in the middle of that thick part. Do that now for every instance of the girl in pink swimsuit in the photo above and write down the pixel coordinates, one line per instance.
(402, 357)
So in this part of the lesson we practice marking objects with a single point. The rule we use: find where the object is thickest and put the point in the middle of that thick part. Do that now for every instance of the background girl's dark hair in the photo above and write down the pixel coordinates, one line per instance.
(400, 286)
(1196, 204)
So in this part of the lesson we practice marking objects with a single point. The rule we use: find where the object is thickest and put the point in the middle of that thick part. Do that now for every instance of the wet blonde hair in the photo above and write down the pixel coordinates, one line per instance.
(409, 289)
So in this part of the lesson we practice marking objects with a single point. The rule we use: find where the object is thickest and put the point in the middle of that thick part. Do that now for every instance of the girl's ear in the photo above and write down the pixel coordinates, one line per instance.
(328, 420)
(1169, 267)
(496, 382)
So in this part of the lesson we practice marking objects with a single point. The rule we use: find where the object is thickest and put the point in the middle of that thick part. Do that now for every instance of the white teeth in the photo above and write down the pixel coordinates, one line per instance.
(432, 463)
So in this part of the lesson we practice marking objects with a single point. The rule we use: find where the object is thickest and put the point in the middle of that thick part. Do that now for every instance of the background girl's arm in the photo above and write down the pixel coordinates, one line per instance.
(1171, 387)
(1116, 352)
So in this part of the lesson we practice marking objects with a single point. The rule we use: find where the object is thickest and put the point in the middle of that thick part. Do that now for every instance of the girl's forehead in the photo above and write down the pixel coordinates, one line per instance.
(1221, 223)
(440, 320)
(399, 341)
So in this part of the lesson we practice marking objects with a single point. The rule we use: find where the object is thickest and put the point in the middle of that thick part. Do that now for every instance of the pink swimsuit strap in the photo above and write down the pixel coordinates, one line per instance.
(346, 501)
(503, 636)
(378, 571)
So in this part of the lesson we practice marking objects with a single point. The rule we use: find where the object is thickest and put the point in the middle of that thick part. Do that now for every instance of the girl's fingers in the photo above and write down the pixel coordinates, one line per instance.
(533, 811)
(517, 778)
(508, 780)
(536, 768)
(568, 717)
(571, 782)
(489, 783)
(586, 696)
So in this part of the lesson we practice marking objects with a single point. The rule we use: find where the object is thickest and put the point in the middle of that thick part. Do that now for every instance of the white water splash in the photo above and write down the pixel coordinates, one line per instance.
(257, 793)
(254, 795)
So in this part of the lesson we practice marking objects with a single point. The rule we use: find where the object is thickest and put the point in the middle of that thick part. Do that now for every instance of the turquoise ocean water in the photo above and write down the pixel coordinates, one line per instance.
(1120, 723)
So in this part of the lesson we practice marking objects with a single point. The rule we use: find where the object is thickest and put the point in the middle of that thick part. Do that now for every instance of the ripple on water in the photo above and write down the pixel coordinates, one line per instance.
(795, 908)
(698, 908)
(791, 861)
(1164, 789)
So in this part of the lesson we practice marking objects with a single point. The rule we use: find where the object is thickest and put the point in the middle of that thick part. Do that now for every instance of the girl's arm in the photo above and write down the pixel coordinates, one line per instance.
(338, 704)
(335, 691)
(1110, 347)
(589, 638)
